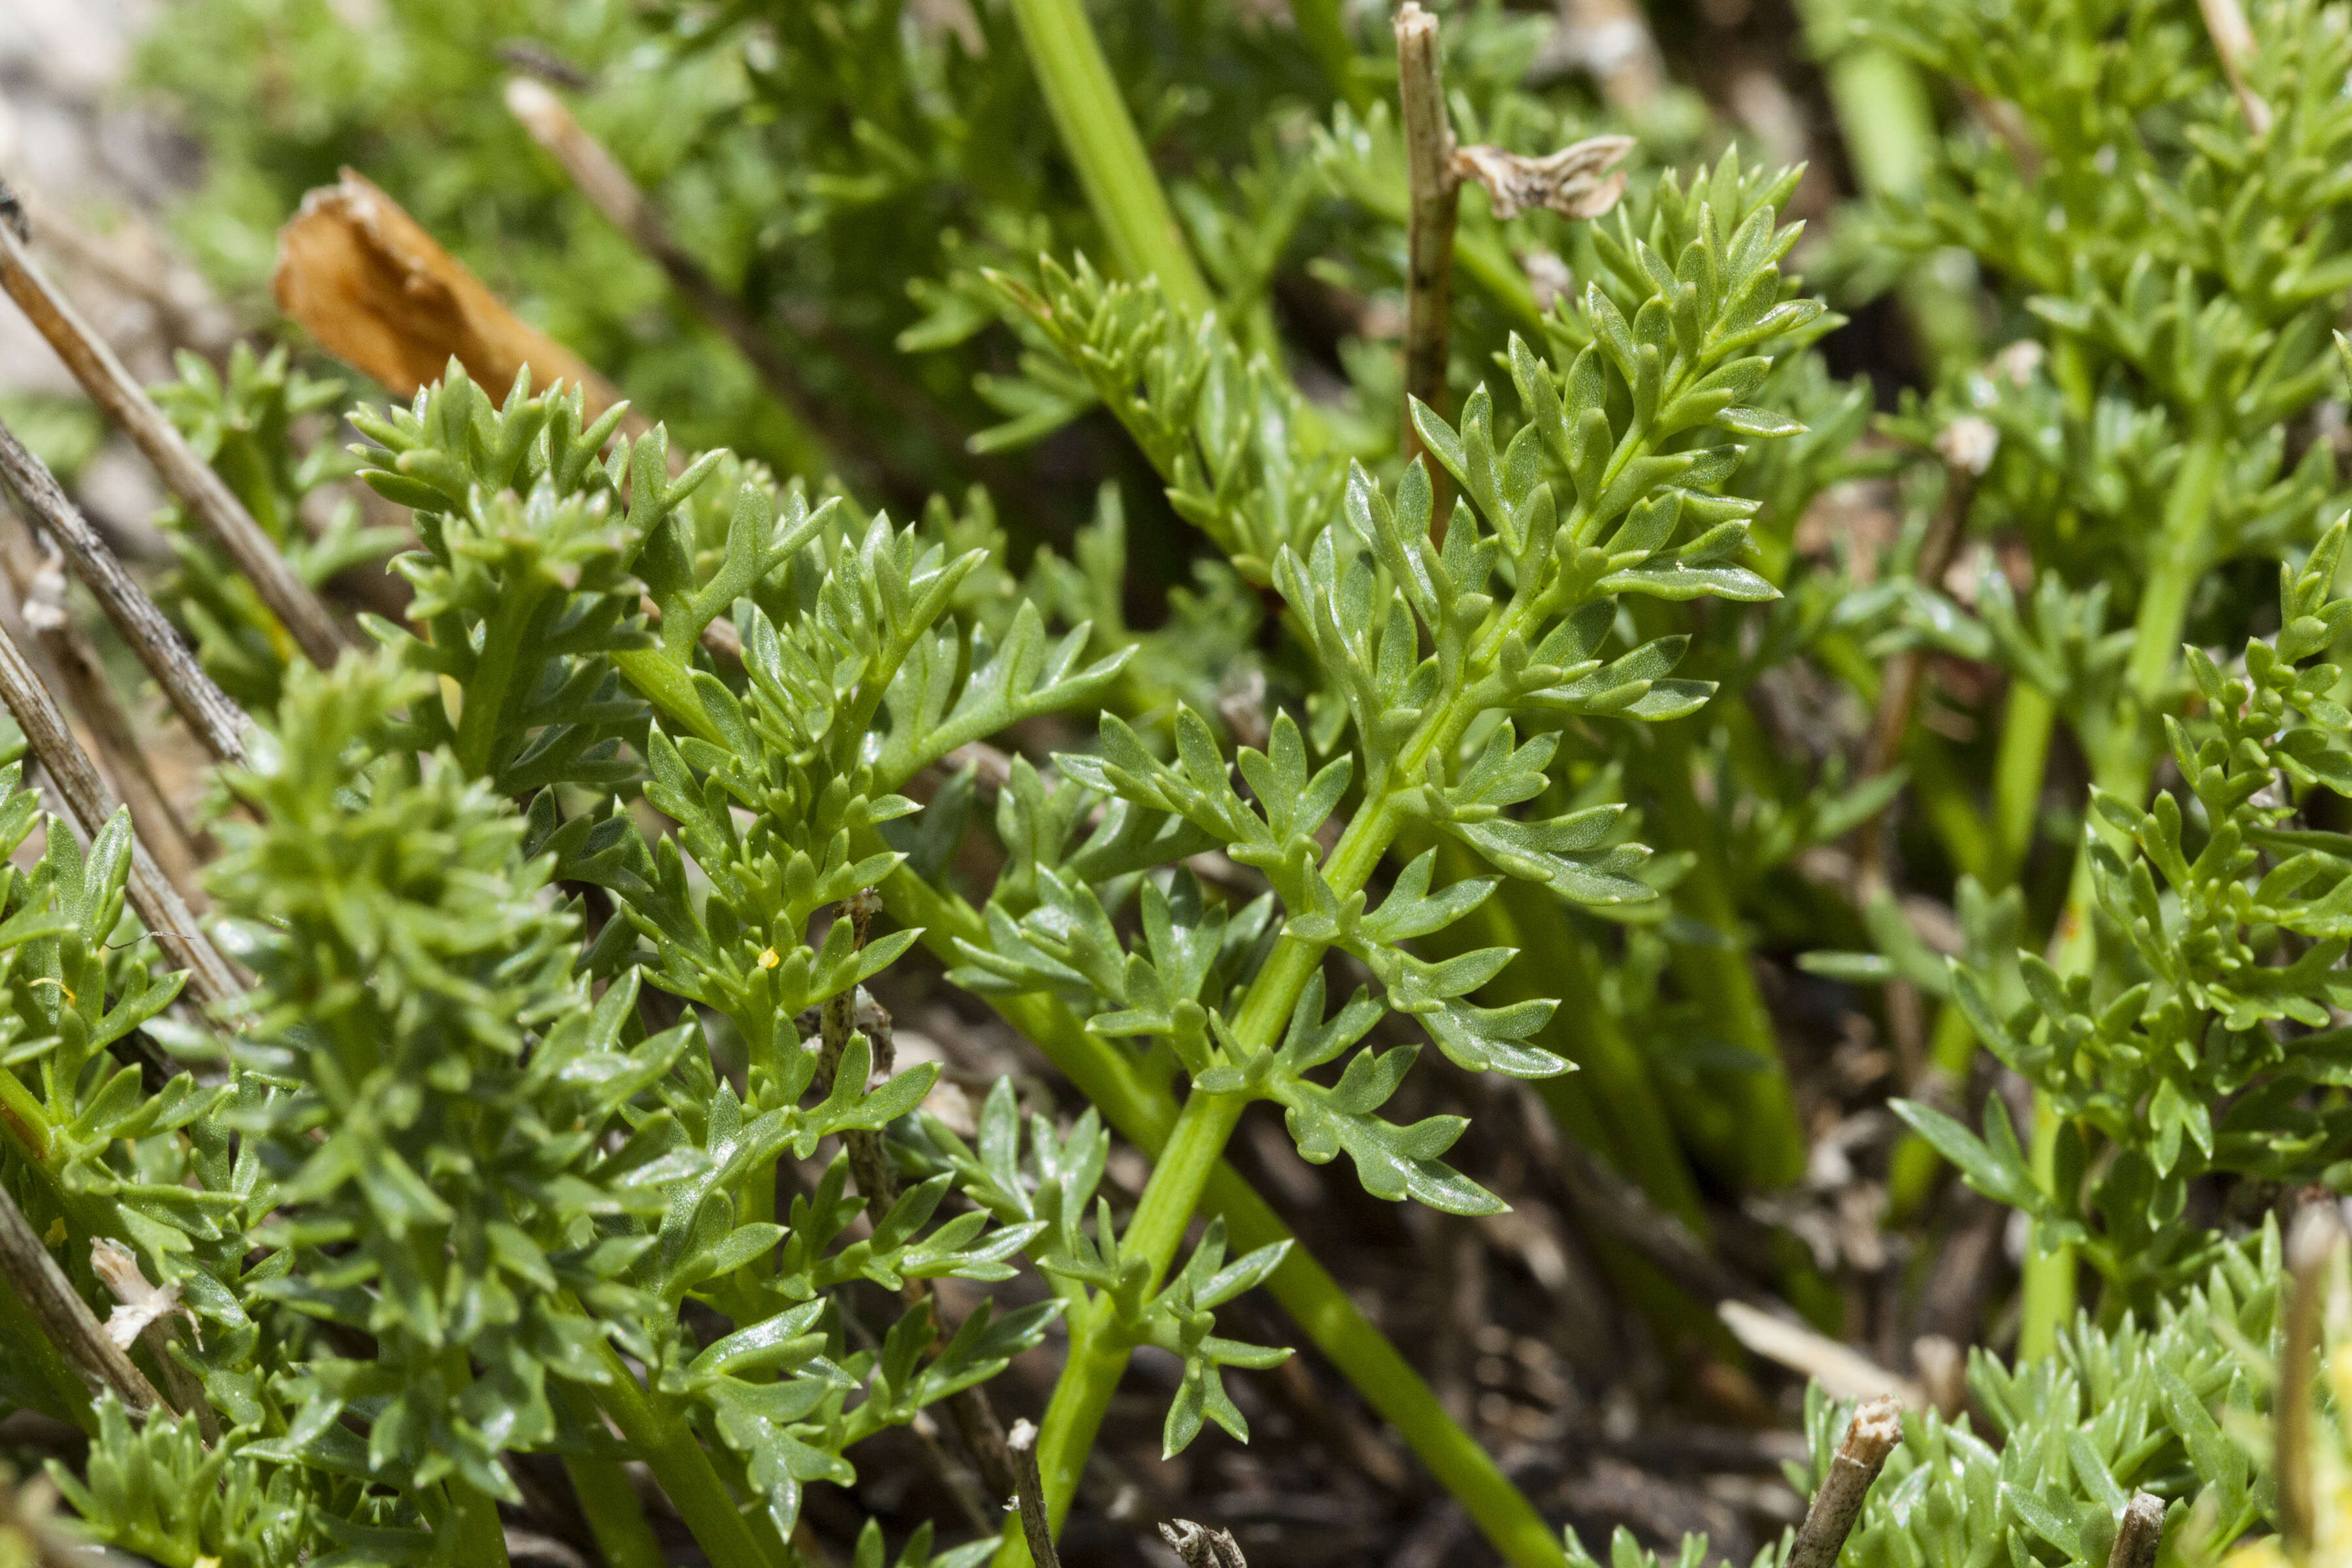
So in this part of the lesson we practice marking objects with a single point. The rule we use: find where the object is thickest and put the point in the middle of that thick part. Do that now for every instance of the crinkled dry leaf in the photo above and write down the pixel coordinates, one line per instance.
(1577, 180)
(142, 1304)
(380, 294)
(1202, 1547)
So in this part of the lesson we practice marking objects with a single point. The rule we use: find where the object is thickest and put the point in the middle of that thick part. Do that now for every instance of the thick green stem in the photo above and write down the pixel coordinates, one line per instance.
(1386, 1380)
(2018, 766)
(486, 693)
(1324, 31)
(607, 1501)
(615, 1520)
(1748, 1127)
(1099, 1345)
(1939, 792)
(1145, 1115)
(2047, 1287)
(475, 1537)
(2019, 769)
(1888, 126)
(479, 1540)
(2123, 762)
(678, 1461)
(1100, 138)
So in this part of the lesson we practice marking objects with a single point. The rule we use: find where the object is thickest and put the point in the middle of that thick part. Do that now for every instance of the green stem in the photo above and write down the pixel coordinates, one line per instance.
(1145, 1115)
(1888, 126)
(2122, 764)
(1939, 791)
(468, 1531)
(2019, 769)
(678, 1461)
(2047, 1287)
(2018, 766)
(1100, 1346)
(1387, 1381)
(1100, 138)
(608, 1502)
(1747, 1128)
(1324, 31)
(616, 1519)
(485, 692)
(479, 1540)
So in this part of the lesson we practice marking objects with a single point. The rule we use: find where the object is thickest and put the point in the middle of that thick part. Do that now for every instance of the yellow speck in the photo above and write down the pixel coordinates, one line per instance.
(768, 958)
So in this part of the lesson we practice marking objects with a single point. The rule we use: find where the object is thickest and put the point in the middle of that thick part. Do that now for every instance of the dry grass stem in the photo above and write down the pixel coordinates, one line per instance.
(2233, 41)
(38, 587)
(219, 724)
(1842, 1372)
(1035, 1528)
(157, 903)
(1435, 196)
(65, 1317)
(1876, 1428)
(203, 493)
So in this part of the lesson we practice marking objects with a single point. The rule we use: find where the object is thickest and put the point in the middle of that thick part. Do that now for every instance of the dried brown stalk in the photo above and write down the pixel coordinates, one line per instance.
(129, 260)
(218, 723)
(157, 903)
(1031, 1490)
(203, 493)
(65, 1317)
(1435, 197)
(383, 295)
(2139, 1533)
(1872, 1435)
(608, 187)
(39, 591)
(2233, 41)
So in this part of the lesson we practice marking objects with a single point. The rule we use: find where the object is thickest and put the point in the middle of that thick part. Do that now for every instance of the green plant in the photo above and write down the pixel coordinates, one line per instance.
(2208, 1061)
(516, 1185)
(2176, 264)
(1224, 756)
